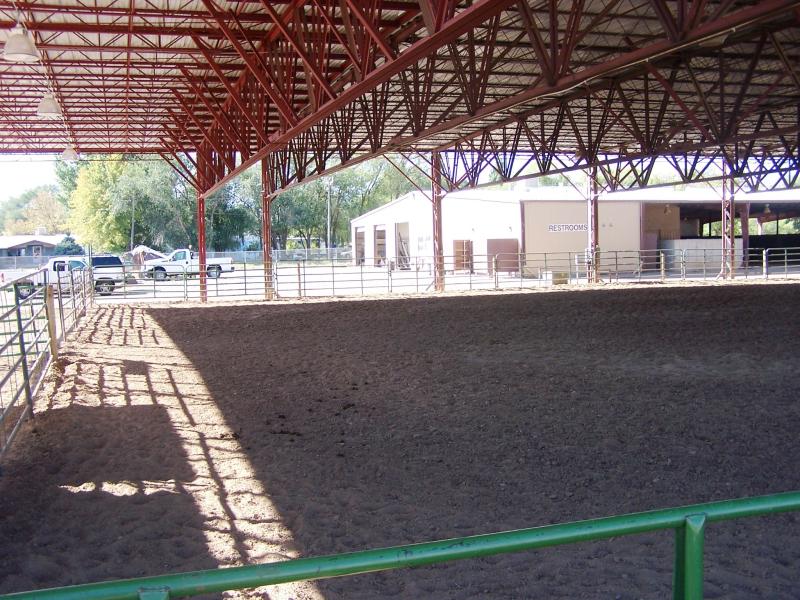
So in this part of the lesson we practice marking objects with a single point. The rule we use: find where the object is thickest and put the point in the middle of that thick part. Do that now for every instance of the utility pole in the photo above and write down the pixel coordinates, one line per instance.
(133, 214)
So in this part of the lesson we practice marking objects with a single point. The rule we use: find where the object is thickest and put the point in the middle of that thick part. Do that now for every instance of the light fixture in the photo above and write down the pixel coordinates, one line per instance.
(667, 209)
(767, 210)
(48, 107)
(715, 41)
(70, 154)
(20, 46)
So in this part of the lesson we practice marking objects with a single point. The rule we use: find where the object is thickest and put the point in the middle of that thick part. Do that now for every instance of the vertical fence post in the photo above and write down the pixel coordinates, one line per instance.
(683, 264)
(569, 268)
(50, 312)
(785, 263)
(61, 309)
(662, 266)
(361, 270)
(299, 282)
(494, 271)
(704, 264)
(765, 263)
(693, 543)
(333, 277)
(274, 270)
(23, 356)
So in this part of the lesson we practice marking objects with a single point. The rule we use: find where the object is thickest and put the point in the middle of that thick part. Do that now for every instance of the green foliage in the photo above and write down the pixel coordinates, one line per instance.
(302, 211)
(155, 205)
(121, 202)
(92, 215)
(67, 175)
(68, 247)
(32, 209)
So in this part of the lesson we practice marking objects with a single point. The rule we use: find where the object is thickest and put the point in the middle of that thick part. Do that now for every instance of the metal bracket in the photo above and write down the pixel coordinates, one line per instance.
(156, 593)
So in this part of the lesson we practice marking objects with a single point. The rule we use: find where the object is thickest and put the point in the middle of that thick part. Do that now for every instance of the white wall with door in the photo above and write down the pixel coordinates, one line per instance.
(476, 219)
(401, 229)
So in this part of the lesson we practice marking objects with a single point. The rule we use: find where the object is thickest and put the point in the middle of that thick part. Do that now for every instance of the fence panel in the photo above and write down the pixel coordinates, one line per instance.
(32, 311)
(689, 524)
(316, 275)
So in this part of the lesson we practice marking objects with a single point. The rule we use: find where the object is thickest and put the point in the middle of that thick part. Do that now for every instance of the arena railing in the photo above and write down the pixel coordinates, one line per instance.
(320, 278)
(688, 522)
(37, 311)
(781, 262)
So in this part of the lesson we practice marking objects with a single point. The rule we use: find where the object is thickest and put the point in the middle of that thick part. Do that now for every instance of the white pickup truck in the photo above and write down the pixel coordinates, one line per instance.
(184, 262)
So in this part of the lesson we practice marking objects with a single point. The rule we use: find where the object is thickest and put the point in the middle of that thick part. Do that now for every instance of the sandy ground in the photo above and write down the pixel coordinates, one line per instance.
(180, 438)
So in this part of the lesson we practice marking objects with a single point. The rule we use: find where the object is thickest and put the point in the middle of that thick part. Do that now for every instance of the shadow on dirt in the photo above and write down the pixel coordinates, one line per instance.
(388, 422)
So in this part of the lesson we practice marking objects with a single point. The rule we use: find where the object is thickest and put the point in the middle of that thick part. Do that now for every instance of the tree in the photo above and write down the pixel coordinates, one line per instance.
(68, 247)
(155, 204)
(302, 211)
(67, 175)
(35, 208)
(92, 215)
(44, 211)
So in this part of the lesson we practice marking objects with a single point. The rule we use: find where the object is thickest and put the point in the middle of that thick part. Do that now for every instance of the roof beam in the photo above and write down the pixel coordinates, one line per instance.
(254, 67)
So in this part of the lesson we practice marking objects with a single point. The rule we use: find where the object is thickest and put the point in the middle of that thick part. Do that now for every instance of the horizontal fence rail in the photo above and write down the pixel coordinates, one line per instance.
(36, 314)
(319, 275)
(689, 523)
(333, 272)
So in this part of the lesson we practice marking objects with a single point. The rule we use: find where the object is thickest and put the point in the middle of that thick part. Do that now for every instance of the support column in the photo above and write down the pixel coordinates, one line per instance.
(728, 269)
(744, 220)
(266, 231)
(201, 245)
(438, 247)
(204, 177)
(593, 221)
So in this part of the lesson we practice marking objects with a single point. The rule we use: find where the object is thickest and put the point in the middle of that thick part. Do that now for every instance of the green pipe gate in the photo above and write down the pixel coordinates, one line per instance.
(689, 523)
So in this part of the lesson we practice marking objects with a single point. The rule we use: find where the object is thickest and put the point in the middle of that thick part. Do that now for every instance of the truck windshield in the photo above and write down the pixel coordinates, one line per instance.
(106, 261)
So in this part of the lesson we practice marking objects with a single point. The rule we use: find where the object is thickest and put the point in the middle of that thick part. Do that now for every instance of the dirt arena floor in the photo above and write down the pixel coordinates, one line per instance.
(182, 438)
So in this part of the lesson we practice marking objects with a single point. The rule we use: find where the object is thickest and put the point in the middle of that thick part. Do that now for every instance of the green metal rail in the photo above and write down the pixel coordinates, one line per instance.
(689, 523)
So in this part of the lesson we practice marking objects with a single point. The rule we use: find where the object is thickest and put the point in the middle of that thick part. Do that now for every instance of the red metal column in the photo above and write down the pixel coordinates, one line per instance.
(593, 223)
(266, 233)
(203, 168)
(728, 223)
(436, 199)
(201, 245)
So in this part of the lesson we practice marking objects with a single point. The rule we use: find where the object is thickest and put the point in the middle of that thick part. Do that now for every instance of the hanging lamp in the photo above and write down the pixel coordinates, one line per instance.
(70, 154)
(20, 46)
(48, 107)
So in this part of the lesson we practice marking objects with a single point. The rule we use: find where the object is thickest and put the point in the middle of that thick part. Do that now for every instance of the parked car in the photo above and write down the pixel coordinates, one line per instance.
(107, 272)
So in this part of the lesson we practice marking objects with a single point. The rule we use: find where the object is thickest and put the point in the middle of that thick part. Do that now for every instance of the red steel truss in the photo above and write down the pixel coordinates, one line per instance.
(484, 89)
(515, 88)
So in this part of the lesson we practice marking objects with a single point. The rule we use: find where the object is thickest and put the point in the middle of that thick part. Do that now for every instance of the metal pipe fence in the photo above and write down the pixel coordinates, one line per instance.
(334, 277)
(689, 524)
(35, 315)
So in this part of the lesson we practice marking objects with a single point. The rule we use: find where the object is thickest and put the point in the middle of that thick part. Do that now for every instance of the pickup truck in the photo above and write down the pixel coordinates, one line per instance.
(107, 273)
(184, 262)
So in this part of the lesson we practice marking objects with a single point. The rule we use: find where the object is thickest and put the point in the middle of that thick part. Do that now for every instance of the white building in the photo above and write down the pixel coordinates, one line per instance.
(480, 224)
(475, 223)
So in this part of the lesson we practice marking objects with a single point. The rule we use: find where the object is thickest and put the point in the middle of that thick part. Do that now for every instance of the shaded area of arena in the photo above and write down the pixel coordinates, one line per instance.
(385, 422)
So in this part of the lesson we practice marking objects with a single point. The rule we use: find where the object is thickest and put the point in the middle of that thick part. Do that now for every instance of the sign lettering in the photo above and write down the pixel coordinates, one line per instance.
(567, 227)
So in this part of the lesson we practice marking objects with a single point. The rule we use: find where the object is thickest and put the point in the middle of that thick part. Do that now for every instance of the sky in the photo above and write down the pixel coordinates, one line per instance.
(21, 173)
